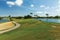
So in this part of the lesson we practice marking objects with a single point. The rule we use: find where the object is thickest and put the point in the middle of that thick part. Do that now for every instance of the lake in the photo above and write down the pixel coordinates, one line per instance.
(4, 20)
(49, 20)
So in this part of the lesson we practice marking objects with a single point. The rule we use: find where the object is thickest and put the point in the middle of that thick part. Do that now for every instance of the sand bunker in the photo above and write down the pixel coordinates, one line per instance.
(7, 25)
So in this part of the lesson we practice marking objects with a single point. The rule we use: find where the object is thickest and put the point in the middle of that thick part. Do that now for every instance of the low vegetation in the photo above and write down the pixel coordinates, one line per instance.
(31, 29)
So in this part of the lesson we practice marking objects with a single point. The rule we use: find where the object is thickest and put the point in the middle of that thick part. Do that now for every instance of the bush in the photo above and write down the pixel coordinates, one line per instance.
(28, 16)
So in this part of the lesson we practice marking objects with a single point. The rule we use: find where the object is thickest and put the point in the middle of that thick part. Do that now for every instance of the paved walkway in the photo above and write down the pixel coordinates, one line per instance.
(16, 26)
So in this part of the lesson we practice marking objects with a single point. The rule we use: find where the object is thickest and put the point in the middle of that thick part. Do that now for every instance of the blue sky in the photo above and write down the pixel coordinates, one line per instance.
(24, 7)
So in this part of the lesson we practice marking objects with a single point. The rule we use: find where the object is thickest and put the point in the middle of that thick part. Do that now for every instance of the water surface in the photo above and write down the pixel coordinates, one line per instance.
(49, 20)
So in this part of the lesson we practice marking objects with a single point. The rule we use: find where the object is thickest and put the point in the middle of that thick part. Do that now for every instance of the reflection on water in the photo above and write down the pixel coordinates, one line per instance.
(49, 20)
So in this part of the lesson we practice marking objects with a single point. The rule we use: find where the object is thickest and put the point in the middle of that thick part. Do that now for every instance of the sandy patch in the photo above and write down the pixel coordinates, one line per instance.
(54, 26)
(7, 25)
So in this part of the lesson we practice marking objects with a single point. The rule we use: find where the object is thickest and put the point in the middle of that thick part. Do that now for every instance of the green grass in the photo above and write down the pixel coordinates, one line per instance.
(31, 30)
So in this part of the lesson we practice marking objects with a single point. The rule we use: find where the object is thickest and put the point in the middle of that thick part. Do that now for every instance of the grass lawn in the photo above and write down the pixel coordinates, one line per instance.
(33, 30)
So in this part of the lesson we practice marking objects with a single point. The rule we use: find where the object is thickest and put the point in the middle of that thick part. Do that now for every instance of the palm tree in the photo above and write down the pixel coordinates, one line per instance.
(31, 13)
(47, 15)
(10, 18)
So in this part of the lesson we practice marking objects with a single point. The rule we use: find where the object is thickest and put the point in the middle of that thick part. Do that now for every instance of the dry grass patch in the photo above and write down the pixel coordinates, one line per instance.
(55, 32)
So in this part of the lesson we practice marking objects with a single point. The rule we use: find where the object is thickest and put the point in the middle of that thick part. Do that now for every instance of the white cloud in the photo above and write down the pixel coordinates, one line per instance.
(42, 6)
(17, 2)
(10, 3)
(32, 5)
(45, 12)
(39, 12)
(45, 7)
(57, 9)
(59, 1)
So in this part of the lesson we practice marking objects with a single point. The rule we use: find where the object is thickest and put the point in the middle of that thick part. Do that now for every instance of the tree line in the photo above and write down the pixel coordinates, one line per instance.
(35, 16)
(30, 16)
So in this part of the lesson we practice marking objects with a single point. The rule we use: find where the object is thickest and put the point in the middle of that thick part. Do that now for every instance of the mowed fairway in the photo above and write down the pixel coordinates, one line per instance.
(33, 30)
